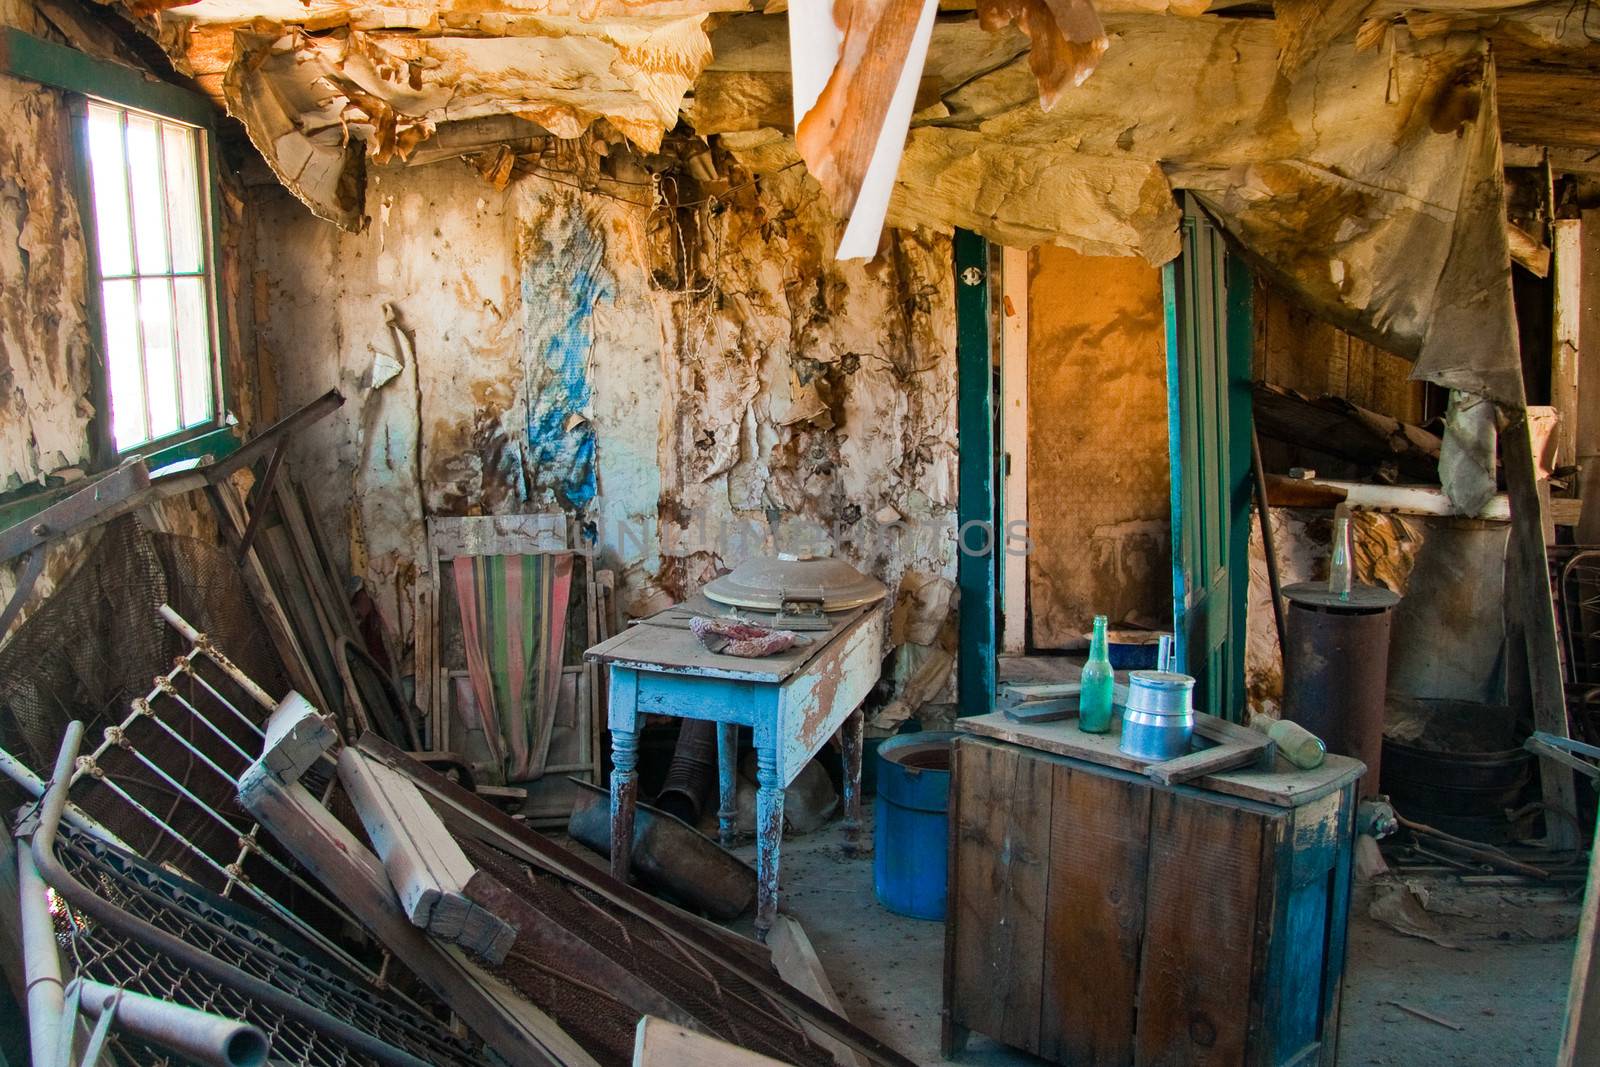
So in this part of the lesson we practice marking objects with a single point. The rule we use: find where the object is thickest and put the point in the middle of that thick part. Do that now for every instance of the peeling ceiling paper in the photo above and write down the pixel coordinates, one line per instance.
(306, 100)
(1350, 182)
(428, 11)
(1365, 161)
(1067, 38)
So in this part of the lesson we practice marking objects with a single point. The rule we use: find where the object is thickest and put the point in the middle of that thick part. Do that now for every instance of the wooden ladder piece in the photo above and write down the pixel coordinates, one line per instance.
(427, 868)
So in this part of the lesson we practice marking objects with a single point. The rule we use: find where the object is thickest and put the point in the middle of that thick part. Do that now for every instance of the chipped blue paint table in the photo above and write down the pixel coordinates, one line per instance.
(793, 701)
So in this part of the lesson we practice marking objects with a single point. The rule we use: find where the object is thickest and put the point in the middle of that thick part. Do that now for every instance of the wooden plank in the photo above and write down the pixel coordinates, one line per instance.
(1306, 952)
(1235, 747)
(813, 703)
(670, 650)
(1566, 316)
(262, 444)
(1528, 250)
(229, 511)
(297, 735)
(100, 501)
(1098, 855)
(998, 905)
(658, 1043)
(471, 817)
(1283, 785)
(305, 616)
(975, 572)
(427, 868)
(1195, 973)
(798, 964)
(544, 941)
(1580, 1039)
(515, 1029)
(1530, 610)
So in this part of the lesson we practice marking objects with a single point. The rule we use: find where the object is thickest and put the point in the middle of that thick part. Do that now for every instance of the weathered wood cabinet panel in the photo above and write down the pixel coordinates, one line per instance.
(1099, 918)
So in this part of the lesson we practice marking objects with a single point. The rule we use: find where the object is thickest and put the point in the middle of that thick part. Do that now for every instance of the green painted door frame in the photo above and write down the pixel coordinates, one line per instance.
(977, 535)
(1210, 339)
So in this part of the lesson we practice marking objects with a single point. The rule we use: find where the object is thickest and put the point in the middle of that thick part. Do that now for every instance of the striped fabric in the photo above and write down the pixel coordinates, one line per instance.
(514, 626)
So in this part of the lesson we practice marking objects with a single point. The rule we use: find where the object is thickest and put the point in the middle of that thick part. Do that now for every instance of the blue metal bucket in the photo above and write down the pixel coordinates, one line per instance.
(912, 836)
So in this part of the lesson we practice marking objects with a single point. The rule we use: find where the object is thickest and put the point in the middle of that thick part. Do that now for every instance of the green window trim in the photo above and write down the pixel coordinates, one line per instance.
(25, 56)
(211, 445)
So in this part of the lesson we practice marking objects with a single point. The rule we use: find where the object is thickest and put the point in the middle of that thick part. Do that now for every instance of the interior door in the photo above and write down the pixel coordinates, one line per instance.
(1209, 337)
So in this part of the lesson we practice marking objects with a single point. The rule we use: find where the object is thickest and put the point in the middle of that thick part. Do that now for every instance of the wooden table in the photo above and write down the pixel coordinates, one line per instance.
(1096, 916)
(794, 702)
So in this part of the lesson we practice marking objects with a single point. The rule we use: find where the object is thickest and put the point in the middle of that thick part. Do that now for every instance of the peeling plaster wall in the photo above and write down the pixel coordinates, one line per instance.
(44, 327)
(46, 351)
(690, 383)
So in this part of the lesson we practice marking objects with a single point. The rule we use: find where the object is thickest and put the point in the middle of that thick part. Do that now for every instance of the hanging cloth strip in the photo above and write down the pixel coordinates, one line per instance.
(514, 626)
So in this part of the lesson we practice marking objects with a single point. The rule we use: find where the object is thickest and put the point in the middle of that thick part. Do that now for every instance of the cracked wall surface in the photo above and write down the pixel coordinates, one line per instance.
(696, 381)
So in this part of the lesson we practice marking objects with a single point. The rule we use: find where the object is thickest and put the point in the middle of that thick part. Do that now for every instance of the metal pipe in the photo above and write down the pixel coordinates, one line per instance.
(19, 773)
(131, 926)
(41, 960)
(214, 654)
(195, 1035)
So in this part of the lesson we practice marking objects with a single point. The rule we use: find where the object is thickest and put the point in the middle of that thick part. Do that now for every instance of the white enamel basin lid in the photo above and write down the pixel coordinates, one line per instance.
(770, 583)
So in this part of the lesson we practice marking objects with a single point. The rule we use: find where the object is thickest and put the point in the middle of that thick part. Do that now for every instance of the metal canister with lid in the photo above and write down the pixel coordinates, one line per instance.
(1159, 719)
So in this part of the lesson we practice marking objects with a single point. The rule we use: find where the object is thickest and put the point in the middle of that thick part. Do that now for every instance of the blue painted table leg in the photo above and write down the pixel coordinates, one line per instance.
(727, 780)
(850, 741)
(624, 794)
(769, 836)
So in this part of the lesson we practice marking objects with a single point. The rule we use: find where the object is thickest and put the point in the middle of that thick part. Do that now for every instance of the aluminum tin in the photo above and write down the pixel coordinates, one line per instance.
(1159, 719)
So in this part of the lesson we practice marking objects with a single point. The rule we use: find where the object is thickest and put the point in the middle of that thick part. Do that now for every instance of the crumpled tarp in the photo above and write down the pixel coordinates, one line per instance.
(1369, 183)
(1366, 177)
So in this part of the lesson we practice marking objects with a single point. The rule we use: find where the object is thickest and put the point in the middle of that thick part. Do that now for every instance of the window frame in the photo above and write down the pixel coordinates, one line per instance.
(86, 77)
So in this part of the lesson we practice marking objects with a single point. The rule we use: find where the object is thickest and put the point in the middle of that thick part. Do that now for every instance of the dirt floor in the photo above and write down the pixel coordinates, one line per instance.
(1496, 986)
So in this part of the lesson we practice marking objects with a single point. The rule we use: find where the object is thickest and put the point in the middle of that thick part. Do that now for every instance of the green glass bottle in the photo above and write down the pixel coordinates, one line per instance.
(1097, 680)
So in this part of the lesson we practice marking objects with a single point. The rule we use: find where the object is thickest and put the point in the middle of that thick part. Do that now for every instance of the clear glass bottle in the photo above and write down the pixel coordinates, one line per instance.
(1339, 567)
(1098, 682)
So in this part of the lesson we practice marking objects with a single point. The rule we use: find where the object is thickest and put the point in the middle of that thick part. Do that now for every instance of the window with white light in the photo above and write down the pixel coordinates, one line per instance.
(149, 178)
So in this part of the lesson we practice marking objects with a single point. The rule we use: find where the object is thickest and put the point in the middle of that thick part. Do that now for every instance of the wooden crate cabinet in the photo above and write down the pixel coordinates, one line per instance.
(1096, 917)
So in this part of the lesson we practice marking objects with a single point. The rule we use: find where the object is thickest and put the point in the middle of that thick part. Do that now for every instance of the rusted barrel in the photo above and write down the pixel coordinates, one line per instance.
(1337, 668)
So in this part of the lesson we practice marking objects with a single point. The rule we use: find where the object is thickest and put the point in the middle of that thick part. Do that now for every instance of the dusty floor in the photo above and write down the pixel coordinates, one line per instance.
(1504, 984)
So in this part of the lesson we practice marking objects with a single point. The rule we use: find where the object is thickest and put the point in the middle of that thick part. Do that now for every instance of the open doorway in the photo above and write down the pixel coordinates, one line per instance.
(1112, 375)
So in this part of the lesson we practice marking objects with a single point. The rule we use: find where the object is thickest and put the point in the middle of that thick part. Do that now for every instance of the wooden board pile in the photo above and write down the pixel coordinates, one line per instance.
(545, 959)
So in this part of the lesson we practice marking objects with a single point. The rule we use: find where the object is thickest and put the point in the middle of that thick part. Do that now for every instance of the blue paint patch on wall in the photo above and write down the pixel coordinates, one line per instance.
(563, 278)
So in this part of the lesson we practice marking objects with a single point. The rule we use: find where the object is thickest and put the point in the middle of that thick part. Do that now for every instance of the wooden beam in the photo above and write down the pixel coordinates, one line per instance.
(100, 501)
(297, 735)
(1530, 610)
(1285, 492)
(1567, 313)
(1580, 1040)
(264, 442)
(515, 1029)
(798, 964)
(427, 868)
(469, 816)
(658, 1043)
(1528, 250)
